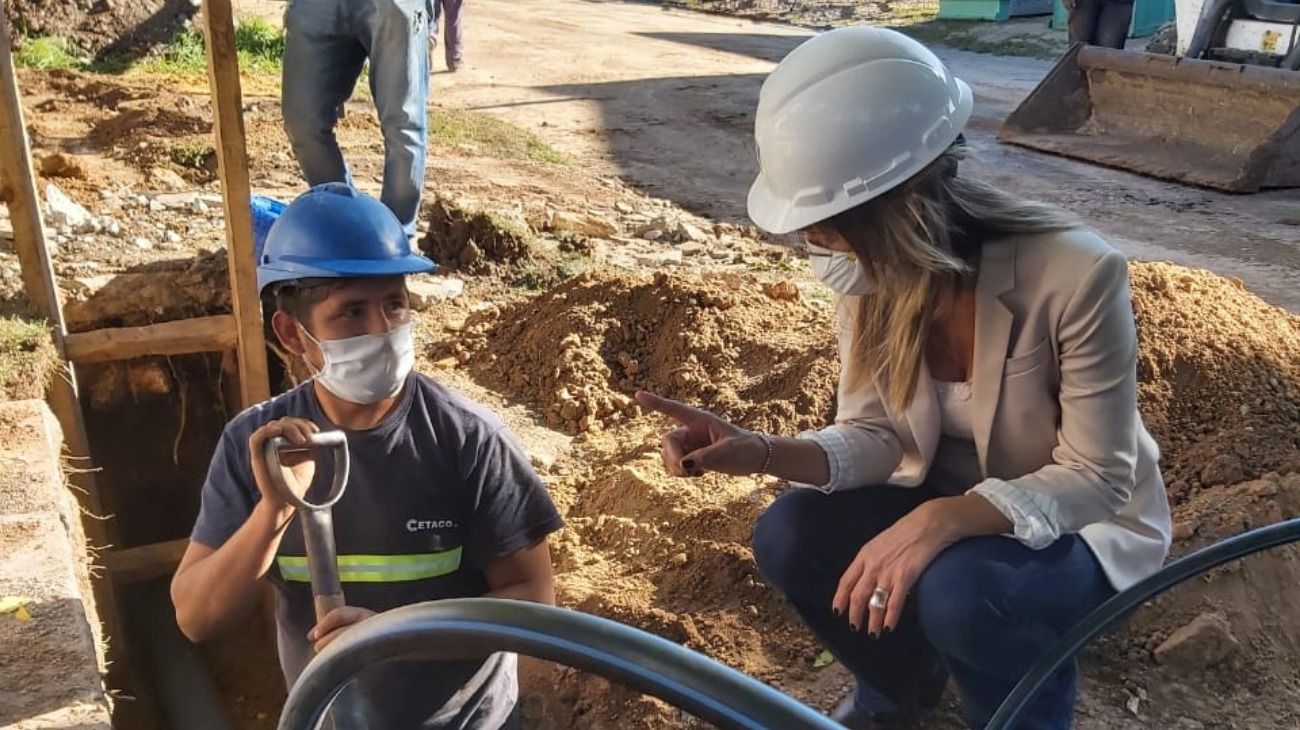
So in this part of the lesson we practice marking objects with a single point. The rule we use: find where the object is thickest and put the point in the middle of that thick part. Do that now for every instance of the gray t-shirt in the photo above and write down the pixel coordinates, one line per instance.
(437, 490)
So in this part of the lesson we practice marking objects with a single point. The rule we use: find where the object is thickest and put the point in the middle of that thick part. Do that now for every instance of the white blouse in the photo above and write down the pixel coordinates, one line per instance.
(956, 467)
(955, 409)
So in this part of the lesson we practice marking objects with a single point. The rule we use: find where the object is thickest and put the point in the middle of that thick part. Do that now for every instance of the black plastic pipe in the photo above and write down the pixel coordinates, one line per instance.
(468, 628)
(1118, 608)
(185, 690)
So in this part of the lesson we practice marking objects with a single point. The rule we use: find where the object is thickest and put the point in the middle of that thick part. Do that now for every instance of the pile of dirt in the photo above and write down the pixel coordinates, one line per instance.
(668, 556)
(1222, 645)
(580, 350)
(157, 292)
(471, 241)
(672, 556)
(105, 28)
(1219, 385)
(1219, 374)
(123, 132)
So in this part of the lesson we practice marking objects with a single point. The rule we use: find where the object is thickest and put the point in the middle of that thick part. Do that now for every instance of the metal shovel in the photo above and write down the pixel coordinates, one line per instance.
(317, 519)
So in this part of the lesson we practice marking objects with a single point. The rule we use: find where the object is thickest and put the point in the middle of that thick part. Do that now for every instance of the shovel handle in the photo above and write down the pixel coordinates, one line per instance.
(322, 559)
(335, 441)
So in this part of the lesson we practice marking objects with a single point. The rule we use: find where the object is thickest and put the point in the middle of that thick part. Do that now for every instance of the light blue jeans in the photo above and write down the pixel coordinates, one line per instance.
(326, 44)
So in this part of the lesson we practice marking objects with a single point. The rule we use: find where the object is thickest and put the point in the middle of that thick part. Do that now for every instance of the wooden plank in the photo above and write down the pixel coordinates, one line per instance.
(146, 562)
(232, 169)
(181, 337)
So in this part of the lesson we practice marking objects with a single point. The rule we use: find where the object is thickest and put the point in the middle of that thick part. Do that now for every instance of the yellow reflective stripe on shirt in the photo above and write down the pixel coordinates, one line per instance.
(377, 568)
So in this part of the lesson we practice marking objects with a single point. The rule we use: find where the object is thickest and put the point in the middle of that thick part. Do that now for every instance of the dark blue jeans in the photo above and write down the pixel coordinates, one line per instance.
(983, 611)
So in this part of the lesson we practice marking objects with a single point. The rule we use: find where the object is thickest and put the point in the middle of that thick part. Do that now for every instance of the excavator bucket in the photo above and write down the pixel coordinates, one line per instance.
(1220, 125)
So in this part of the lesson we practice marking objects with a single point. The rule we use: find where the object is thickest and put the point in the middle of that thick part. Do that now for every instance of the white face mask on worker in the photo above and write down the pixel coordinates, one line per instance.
(839, 270)
(368, 368)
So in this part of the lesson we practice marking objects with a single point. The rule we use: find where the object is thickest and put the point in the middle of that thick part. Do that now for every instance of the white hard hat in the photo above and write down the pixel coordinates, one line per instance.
(845, 117)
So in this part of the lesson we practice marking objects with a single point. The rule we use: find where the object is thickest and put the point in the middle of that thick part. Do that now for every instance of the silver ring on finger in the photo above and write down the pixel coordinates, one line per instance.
(879, 598)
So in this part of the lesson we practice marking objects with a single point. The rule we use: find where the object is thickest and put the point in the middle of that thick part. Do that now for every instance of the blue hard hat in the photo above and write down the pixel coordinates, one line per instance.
(336, 231)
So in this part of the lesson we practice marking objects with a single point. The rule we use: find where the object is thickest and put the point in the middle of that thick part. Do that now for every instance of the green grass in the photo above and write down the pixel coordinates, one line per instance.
(534, 278)
(907, 15)
(573, 265)
(259, 45)
(191, 155)
(509, 226)
(820, 297)
(47, 54)
(542, 275)
(965, 36)
(917, 19)
(27, 358)
(490, 136)
(770, 263)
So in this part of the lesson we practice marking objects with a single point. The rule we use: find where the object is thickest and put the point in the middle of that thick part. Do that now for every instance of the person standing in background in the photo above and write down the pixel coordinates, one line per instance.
(327, 42)
(455, 40)
(1102, 23)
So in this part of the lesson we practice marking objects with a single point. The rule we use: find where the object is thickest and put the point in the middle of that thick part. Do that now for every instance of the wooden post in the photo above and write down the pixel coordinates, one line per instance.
(146, 562)
(232, 162)
(19, 192)
(254, 379)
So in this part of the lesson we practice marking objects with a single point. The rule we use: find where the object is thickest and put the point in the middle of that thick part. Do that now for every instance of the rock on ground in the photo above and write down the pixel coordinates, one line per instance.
(583, 225)
(59, 164)
(1204, 642)
(165, 178)
(1165, 40)
(656, 259)
(425, 292)
(62, 211)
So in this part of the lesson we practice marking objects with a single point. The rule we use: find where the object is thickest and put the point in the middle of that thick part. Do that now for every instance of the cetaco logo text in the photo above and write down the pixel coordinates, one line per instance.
(418, 525)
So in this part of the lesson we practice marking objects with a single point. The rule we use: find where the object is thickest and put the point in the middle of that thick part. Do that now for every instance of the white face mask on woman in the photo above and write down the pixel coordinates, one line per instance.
(839, 270)
(368, 368)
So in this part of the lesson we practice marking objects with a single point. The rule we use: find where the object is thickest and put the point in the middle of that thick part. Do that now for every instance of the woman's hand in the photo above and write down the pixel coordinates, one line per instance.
(896, 558)
(892, 561)
(703, 442)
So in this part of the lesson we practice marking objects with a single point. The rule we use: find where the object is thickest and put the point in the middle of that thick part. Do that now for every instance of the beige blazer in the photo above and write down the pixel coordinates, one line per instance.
(1054, 403)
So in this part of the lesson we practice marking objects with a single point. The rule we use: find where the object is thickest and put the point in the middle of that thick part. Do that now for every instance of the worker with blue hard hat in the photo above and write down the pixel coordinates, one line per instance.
(441, 500)
(335, 231)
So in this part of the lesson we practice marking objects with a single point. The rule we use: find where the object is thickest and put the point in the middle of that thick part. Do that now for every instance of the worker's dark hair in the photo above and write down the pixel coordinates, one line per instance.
(298, 296)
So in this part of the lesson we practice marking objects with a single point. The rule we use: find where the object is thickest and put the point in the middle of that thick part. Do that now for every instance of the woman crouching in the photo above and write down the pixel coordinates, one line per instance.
(988, 480)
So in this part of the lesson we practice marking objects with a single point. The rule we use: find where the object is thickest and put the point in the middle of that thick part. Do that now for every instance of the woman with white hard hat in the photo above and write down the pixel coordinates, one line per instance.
(988, 479)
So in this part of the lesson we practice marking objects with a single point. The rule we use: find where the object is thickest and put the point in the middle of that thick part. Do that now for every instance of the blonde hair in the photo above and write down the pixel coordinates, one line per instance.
(917, 242)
